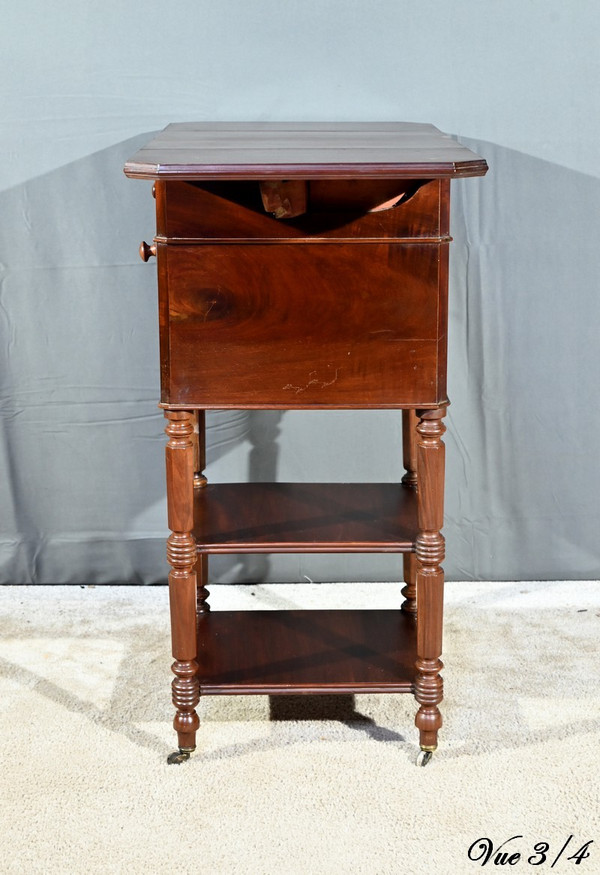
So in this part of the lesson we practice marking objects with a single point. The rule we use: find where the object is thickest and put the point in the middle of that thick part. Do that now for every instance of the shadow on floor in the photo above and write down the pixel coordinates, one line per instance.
(341, 708)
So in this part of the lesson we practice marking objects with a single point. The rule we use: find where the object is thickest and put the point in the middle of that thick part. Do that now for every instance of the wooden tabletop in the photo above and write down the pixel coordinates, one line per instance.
(303, 150)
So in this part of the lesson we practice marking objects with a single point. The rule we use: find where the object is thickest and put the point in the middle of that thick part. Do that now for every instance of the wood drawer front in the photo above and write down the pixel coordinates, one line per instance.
(335, 209)
(300, 326)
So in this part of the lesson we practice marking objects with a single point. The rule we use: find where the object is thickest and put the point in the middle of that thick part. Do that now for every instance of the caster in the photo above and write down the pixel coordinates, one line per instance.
(179, 756)
(424, 757)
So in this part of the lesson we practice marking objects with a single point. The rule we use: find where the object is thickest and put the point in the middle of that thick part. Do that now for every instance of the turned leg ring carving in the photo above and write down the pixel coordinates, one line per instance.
(409, 481)
(200, 481)
(430, 548)
(182, 555)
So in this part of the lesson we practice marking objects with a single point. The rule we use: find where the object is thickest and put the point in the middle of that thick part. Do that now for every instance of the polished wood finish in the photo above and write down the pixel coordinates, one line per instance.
(318, 651)
(409, 448)
(146, 251)
(409, 481)
(305, 518)
(304, 266)
(243, 331)
(302, 150)
(409, 590)
(430, 575)
(199, 440)
(181, 553)
(335, 211)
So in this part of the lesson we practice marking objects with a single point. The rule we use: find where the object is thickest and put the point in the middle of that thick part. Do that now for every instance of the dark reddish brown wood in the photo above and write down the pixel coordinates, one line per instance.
(147, 251)
(278, 652)
(444, 207)
(303, 150)
(199, 440)
(202, 592)
(336, 211)
(409, 481)
(430, 575)
(409, 590)
(334, 298)
(409, 448)
(292, 327)
(200, 481)
(305, 517)
(163, 316)
(181, 553)
(444, 252)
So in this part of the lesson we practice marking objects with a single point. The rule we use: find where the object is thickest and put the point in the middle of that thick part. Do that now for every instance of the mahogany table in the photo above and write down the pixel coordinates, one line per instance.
(304, 266)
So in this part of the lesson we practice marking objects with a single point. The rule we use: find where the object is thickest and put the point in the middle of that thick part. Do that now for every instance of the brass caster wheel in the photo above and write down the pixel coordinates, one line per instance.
(424, 757)
(179, 756)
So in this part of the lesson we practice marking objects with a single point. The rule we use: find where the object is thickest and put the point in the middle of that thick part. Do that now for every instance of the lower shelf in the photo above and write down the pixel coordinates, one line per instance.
(279, 652)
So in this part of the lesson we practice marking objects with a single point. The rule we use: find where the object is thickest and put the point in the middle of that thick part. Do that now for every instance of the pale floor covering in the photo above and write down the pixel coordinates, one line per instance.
(85, 720)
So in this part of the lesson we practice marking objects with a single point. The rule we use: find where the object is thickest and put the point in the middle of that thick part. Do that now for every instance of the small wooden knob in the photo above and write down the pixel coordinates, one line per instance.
(146, 251)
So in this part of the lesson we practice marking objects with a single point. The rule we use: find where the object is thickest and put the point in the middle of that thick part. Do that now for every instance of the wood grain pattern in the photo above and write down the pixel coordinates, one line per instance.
(288, 327)
(200, 481)
(409, 590)
(305, 517)
(335, 210)
(181, 553)
(279, 652)
(409, 448)
(444, 259)
(338, 300)
(430, 575)
(409, 481)
(302, 150)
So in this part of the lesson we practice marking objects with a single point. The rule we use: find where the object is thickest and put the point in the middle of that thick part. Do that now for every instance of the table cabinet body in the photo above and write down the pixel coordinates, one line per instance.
(304, 266)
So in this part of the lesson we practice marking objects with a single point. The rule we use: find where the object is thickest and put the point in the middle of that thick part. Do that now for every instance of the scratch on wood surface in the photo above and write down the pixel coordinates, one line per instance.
(312, 381)
(212, 304)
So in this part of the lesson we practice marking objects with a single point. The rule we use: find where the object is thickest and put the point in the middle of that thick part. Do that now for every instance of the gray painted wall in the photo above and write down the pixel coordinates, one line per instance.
(81, 440)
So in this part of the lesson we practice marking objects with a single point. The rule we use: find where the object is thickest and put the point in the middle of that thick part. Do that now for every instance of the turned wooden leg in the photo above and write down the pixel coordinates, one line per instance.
(409, 590)
(409, 456)
(409, 447)
(181, 553)
(430, 575)
(200, 482)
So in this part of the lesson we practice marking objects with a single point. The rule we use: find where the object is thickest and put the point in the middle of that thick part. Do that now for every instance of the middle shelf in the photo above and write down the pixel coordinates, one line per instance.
(305, 517)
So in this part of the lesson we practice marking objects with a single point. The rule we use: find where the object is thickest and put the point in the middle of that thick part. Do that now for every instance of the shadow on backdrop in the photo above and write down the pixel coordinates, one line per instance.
(81, 443)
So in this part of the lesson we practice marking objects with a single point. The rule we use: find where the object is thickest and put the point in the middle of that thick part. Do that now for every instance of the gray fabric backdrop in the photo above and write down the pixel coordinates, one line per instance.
(81, 441)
